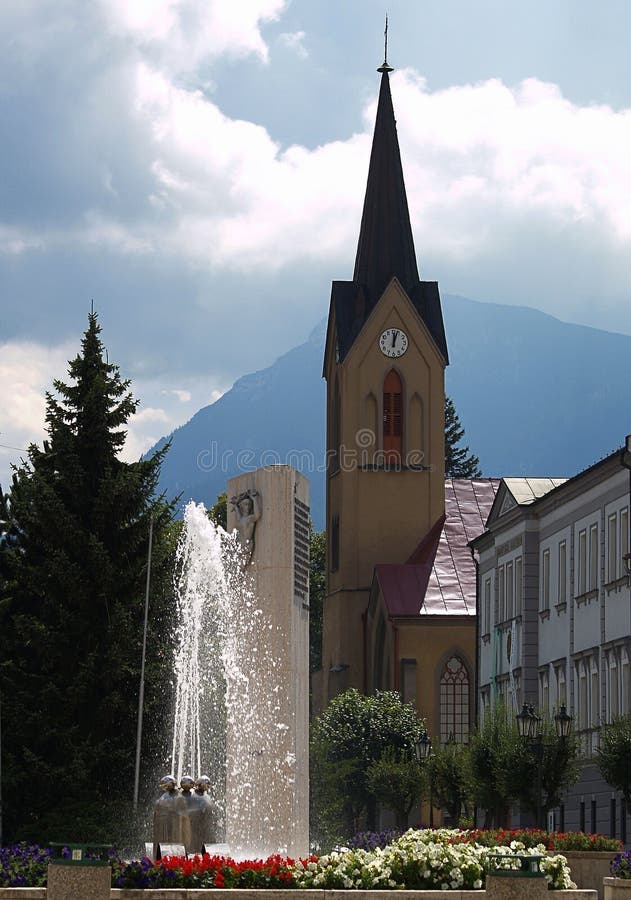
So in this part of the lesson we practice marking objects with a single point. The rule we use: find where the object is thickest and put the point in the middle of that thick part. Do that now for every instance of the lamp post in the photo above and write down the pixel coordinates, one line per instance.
(423, 752)
(529, 724)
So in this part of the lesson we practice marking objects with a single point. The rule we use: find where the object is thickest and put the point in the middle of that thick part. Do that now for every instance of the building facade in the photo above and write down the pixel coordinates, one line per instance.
(554, 609)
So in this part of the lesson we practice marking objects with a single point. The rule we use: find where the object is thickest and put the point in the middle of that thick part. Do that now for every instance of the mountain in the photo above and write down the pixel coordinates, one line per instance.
(536, 396)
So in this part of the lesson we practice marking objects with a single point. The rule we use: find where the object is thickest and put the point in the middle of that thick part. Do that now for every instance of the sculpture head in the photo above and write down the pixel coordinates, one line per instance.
(246, 506)
(187, 783)
(202, 784)
(168, 783)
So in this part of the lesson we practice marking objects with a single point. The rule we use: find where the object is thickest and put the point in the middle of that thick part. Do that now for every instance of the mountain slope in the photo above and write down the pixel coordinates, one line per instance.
(536, 396)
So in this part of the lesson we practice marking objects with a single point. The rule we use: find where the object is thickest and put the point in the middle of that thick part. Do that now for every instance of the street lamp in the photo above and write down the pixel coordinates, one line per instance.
(423, 747)
(563, 723)
(529, 724)
(423, 753)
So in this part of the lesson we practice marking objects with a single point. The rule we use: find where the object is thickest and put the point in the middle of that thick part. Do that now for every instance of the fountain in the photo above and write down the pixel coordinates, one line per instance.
(241, 672)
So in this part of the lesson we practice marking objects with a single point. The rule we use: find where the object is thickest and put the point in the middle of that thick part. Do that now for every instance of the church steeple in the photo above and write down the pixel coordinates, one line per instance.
(386, 246)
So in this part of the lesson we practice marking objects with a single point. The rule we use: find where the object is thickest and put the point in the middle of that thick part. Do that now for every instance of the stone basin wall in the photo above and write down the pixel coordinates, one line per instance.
(589, 868)
(264, 894)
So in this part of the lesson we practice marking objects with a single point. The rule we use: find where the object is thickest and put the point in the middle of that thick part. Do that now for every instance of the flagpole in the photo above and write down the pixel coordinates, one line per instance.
(141, 693)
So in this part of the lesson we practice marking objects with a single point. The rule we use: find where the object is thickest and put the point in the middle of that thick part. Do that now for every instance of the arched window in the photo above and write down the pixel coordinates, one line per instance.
(454, 702)
(392, 417)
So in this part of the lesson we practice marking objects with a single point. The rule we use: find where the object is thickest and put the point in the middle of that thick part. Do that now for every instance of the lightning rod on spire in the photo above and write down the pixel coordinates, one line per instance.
(385, 67)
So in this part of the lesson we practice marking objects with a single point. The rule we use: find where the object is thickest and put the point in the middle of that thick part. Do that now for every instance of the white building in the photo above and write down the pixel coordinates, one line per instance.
(554, 612)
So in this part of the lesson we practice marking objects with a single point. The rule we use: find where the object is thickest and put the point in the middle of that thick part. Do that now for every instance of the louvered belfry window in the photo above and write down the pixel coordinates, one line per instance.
(392, 417)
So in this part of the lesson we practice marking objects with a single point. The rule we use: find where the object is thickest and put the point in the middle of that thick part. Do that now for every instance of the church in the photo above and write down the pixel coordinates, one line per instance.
(400, 607)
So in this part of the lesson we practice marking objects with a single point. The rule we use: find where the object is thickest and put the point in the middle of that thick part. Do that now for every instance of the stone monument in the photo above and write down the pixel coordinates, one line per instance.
(267, 777)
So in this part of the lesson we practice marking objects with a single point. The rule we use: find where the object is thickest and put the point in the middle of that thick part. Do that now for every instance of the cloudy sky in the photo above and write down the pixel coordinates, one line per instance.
(197, 168)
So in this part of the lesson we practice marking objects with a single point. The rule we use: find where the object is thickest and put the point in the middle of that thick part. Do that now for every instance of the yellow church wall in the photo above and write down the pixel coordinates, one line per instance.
(431, 641)
(383, 514)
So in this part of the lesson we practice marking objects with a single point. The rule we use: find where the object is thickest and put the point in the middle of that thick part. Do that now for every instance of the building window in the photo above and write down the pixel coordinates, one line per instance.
(485, 702)
(614, 704)
(612, 555)
(518, 586)
(624, 682)
(624, 537)
(561, 698)
(486, 616)
(582, 561)
(593, 557)
(408, 680)
(501, 592)
(581, 695)
(454, 702)
(335, 543)
(392, 417)
(544, 692)
(594, 693)
(510, 591)
(562, 593)
(545, 581)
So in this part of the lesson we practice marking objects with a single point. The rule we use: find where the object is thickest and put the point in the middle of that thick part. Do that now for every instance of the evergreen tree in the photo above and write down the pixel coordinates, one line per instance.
(459, 461)
(72, 581)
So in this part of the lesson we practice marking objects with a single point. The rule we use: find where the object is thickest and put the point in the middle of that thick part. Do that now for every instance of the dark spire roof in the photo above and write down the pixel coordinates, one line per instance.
(386, 246)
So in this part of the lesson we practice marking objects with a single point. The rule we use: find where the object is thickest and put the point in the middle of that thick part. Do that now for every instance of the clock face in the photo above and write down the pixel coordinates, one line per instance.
(393, 342)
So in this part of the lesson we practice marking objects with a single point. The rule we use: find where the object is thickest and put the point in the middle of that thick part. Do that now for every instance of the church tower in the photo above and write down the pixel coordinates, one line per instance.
(384, 363)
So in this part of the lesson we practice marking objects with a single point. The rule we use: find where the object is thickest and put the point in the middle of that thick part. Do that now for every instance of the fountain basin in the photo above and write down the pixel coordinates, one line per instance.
(263, 894)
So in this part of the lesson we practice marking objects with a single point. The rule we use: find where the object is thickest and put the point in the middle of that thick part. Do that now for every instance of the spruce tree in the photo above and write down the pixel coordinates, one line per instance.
(459, 461)
(72, 581)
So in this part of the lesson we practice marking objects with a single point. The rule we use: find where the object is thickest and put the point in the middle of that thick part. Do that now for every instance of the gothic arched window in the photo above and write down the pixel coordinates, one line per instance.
(392, 417)
(454, 701)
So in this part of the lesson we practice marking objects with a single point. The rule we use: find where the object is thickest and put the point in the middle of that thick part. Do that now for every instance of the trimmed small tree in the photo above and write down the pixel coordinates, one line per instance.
(397, 782)
(448, 769)
(507, 769)
(353, 733)
(497, 752)
(614, 755)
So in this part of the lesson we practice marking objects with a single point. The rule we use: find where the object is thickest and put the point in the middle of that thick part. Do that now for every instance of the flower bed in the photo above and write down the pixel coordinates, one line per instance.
(442, 859)
(24, 865)
(552, 840)
(621, 866)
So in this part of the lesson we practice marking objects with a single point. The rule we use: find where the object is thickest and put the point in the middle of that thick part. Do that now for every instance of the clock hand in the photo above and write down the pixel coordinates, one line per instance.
(394, 337)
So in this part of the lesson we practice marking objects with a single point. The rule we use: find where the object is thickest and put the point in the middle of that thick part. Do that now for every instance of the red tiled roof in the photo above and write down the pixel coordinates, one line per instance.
(439, 577)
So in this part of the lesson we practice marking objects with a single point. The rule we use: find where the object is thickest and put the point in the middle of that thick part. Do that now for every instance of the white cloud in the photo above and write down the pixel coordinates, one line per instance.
(25, 372)
(182, 396)
(179, 34)
(294, 41)
(27, 369)
(480, 160)
(15, 241)
(148, 167)
(487, 154)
